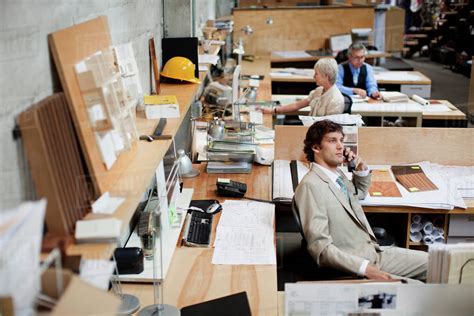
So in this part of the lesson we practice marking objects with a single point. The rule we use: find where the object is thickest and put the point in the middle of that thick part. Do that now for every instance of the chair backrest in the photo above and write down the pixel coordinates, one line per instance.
(296, 217)
(347, 103)
(341, 56)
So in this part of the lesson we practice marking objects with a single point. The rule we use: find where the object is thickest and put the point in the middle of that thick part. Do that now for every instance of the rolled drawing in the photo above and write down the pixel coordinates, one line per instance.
(420, 100)
(416, 218)
(427, 228)
(437, 232)
(428, 239)
(415, 227)
(416, 236)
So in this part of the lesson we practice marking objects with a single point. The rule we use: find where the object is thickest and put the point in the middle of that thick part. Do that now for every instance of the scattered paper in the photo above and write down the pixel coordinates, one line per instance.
(106, 204)
(291, 54)
(245, 234)
(208, 59)
(397, 76)
(21, 232)
(437, 199)
(345, 119)
(97, 272)
(98, 230)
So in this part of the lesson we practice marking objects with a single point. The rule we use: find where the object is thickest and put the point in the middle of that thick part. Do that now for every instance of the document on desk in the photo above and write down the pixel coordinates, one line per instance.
(208, 59)
(397, 76)
(245, 234)
(341, 299)
(346, 119)
(292, 54)
(460, 179)
(282, 183)
(21, 231)
(377, 298)
(451, 263)
(443, 198)
(435, 108)
(97, 272)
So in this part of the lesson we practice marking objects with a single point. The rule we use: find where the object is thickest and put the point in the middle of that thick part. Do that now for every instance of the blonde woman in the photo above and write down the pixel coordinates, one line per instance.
(326, 99)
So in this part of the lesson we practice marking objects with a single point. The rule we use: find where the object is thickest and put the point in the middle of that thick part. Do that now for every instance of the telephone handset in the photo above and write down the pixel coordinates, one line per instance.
(350, 164)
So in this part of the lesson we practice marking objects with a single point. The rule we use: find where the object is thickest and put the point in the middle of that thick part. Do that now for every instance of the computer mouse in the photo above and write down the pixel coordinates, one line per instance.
(214, 208)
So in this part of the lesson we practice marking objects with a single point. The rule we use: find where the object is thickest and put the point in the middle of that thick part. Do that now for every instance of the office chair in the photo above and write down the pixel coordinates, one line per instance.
(308, 269)
(347, 103)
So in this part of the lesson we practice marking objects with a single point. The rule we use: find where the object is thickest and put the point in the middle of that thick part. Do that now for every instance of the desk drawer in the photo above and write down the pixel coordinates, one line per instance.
(423, 90)
(461, 225)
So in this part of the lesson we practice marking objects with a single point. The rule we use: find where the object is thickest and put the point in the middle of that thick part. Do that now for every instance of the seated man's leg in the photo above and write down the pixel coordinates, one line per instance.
(404, 262)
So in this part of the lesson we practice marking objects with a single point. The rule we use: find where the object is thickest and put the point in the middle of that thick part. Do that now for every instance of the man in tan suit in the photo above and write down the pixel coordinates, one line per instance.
(334, 224)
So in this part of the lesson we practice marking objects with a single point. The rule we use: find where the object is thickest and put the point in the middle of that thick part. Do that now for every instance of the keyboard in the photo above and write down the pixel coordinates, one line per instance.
(198, 228)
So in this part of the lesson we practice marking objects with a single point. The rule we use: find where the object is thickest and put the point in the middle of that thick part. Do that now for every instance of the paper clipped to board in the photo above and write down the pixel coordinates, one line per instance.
(158, 106)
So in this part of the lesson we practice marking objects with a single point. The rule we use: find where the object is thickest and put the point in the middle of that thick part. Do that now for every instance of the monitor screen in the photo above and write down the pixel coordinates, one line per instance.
(339, 42)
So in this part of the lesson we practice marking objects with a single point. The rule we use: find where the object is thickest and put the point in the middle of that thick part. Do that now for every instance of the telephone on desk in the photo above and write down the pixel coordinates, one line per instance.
(227, 187)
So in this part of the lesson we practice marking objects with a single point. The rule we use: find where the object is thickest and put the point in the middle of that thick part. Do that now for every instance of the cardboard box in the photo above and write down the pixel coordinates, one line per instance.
(78, 297)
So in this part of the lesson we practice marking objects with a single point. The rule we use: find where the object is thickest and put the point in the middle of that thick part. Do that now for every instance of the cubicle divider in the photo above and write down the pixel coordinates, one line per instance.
(310, 26)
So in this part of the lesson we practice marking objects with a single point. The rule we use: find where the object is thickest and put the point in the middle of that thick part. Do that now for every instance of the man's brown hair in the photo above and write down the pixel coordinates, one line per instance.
(315, 135)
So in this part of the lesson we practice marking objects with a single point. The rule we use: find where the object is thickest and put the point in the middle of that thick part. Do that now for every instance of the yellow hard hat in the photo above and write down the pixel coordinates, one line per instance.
(180, 68)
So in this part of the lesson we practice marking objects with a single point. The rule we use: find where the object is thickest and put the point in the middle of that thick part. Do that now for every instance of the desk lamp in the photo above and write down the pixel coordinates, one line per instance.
(186, 169)
(239, 49)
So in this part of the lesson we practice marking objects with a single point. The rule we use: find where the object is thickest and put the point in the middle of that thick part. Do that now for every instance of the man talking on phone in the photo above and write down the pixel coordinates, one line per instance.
(334, 224)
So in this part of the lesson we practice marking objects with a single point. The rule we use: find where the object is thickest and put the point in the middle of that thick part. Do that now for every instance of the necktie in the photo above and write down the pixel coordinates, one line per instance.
(343, 186)
(355, 76)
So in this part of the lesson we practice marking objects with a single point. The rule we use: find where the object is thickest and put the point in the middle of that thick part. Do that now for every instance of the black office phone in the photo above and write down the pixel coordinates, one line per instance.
(229, 188)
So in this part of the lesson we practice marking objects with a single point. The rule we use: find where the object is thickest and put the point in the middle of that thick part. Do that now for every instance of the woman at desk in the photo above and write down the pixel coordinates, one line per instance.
(326, 99)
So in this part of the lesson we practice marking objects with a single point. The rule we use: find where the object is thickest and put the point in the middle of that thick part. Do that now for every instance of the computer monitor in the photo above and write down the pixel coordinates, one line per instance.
(339, 42)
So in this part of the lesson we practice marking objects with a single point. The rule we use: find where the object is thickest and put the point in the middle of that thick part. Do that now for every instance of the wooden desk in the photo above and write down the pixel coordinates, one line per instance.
(389, 146)
(424, 118)
(192, 278)
(415, 82)
(303, 59)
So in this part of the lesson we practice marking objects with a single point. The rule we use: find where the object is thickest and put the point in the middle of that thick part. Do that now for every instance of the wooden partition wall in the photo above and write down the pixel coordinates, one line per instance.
(392, 145)
(297, 28)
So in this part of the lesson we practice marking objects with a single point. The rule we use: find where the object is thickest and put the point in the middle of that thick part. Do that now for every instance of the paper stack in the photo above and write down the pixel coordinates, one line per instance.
(394, 97)
(158, 106)
(452, 263)
(98, 230)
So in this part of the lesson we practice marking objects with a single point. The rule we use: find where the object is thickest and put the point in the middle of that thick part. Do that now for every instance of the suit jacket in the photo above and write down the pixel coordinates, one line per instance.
(335, 227)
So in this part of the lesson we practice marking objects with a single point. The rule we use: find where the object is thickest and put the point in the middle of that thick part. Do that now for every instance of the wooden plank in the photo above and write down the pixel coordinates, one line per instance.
(57, 169)
(137, 175)
(70, 46)
(394, 29)
(310, 27)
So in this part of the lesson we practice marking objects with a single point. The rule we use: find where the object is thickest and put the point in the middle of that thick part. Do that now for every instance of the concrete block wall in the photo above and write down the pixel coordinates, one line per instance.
(27, 72)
